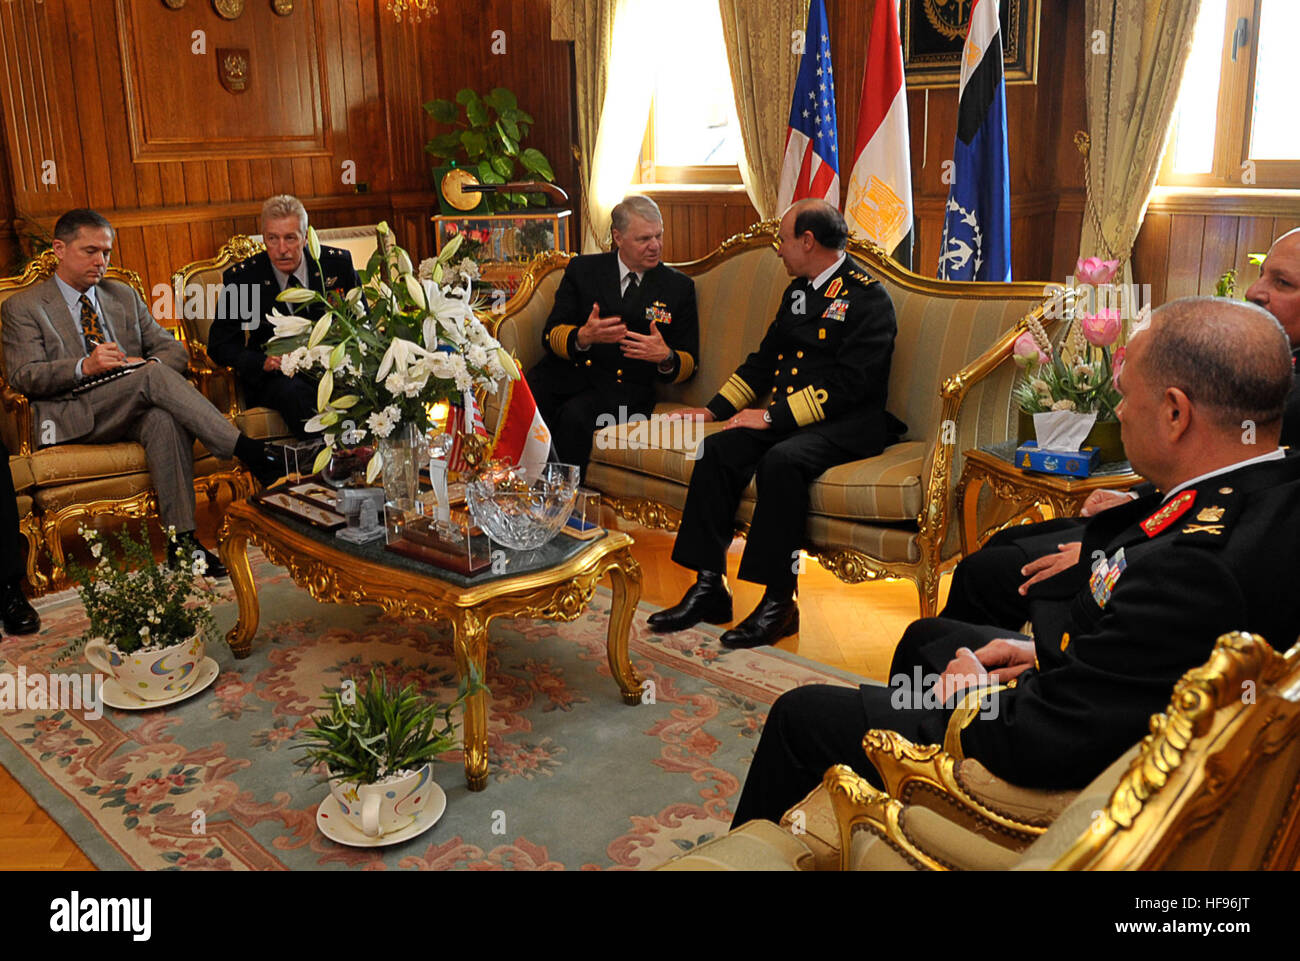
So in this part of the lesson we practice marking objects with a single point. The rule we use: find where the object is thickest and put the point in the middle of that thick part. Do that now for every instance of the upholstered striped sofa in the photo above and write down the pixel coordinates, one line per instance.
(887, 516)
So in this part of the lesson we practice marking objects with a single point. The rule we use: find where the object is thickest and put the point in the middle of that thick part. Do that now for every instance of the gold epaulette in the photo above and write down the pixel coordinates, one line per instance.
(862, 278)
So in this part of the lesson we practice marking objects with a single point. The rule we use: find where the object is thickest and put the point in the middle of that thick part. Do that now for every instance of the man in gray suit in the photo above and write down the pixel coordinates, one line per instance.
(62, 336)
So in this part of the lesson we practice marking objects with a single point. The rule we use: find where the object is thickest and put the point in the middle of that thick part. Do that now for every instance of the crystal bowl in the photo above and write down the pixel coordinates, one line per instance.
(520, 512)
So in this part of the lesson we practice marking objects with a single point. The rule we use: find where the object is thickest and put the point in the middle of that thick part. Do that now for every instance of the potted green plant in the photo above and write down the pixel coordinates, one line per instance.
(149, 622)
(377, 748)
(489, 141)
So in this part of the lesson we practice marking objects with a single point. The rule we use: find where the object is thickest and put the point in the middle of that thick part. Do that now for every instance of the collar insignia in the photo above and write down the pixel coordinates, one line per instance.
(835, 286)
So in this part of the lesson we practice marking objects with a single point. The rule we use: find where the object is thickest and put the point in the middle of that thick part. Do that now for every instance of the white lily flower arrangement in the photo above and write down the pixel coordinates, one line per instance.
(388, 350)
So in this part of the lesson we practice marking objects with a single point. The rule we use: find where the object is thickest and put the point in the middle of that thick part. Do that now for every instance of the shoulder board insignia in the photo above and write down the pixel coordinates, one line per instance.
(858, 275)
(1210, 515)
(1168, 513)
(834, 288)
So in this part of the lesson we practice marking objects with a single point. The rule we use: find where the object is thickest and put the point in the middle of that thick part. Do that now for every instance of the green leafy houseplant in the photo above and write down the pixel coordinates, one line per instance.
(378, 733)
(134, 603)
(489, 141)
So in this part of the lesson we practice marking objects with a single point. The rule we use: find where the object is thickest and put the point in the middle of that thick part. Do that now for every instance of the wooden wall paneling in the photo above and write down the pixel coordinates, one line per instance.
(1254, 236)
(1186, 235)
(1151, 256)
(1218, 251)
(35, 129)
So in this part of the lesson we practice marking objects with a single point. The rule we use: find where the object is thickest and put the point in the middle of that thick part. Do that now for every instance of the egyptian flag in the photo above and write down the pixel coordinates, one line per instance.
(522, 436)
(811, 167)
(878, 203)
(977, 220)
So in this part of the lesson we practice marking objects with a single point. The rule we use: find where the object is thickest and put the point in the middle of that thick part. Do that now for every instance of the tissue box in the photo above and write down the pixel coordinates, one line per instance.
(1072, 463)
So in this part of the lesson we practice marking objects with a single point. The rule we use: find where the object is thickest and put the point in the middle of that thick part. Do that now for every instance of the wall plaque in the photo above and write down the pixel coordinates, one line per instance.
(232, 66)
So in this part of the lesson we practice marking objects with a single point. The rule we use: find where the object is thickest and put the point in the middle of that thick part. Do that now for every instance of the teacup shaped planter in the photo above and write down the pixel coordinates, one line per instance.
(387, 806)
(156, 674)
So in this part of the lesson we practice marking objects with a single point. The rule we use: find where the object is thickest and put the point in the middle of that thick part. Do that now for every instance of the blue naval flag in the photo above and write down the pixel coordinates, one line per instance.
(976, 241)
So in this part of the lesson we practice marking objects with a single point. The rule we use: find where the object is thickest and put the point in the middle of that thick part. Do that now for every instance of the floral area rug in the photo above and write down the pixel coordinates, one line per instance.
(577, 780)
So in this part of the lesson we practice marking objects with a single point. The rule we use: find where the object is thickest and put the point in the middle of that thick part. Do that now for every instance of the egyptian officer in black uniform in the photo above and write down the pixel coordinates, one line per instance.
(994, 584)
(255, 283)
(821, 375)
(1216, 550)
(622, 323)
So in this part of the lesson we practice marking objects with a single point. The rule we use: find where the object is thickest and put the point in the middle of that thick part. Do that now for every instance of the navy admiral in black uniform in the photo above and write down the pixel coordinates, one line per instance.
(622, 322)
(263, 276)
(992, 585)
(825, 363)
(1216, 552)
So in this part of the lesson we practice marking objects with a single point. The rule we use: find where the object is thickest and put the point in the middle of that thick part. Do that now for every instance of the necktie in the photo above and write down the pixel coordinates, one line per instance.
(630, 293)
(90, 329)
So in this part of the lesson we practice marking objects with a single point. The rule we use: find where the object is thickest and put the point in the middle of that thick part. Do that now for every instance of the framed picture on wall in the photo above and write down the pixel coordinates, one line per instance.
(934, 32)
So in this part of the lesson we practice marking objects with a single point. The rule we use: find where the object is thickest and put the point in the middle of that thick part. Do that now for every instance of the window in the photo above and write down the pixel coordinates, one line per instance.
(1240, 64)
(693, 135)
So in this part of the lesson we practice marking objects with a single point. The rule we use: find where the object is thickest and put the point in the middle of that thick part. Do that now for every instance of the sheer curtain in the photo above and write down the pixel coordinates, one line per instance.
(612, 42)
(763, 62)
(1131, 94)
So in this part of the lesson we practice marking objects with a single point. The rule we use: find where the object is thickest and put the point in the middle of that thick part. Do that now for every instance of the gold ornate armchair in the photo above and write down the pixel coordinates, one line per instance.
(1216, 784)
(195, 291)
(67, 482)
(951, 381)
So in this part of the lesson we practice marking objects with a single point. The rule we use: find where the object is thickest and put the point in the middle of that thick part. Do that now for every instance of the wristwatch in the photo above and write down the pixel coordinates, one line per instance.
(767, 417)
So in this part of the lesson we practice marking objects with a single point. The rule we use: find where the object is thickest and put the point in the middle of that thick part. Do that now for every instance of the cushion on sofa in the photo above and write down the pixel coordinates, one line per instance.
(755, 846)
(57, 496)
(67, 463)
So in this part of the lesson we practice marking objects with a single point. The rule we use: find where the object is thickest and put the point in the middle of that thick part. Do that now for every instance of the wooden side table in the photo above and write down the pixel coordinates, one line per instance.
(1030, 494)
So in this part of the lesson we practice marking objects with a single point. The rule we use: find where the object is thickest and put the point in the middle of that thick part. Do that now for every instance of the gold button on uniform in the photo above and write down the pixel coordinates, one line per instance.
(799, 354)
(619, 372)
(780, 356)
(789, 390)
(588, 363)
(793, 371)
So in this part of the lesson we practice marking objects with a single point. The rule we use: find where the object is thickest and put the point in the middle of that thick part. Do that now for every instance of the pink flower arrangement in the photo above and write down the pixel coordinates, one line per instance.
(1095, 271)
(1026, 352)
(1102, 328)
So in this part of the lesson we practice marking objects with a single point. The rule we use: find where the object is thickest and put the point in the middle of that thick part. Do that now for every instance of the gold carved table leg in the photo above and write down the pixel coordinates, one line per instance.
(470, 644)
(233, 548)
(625, 582)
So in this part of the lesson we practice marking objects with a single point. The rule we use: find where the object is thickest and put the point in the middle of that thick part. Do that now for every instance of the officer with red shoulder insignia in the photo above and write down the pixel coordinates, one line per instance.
(1163, 577)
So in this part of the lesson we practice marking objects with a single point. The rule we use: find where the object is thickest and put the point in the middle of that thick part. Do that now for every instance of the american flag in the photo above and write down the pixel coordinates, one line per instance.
(812, 160)
(456, 420)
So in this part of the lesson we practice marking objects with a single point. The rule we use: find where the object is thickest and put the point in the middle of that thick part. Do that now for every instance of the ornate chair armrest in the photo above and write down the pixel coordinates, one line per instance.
(19, 407)
(963, 790)
(215, 381)
(857, 804)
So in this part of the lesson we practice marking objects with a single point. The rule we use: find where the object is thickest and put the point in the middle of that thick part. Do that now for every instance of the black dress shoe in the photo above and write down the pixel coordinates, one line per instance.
(265, 461)
(18, 615)
(189, 545)
(766, 624)
(708, 599)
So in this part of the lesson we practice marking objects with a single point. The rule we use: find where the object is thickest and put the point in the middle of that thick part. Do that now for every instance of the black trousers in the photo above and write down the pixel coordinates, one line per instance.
(783, 466)
(985, 586)
(293, 397)
(570, 405)
(11, 550)
(811, 728)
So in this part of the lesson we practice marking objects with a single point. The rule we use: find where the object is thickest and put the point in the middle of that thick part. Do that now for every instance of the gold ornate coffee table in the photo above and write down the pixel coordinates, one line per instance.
(556, 583)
